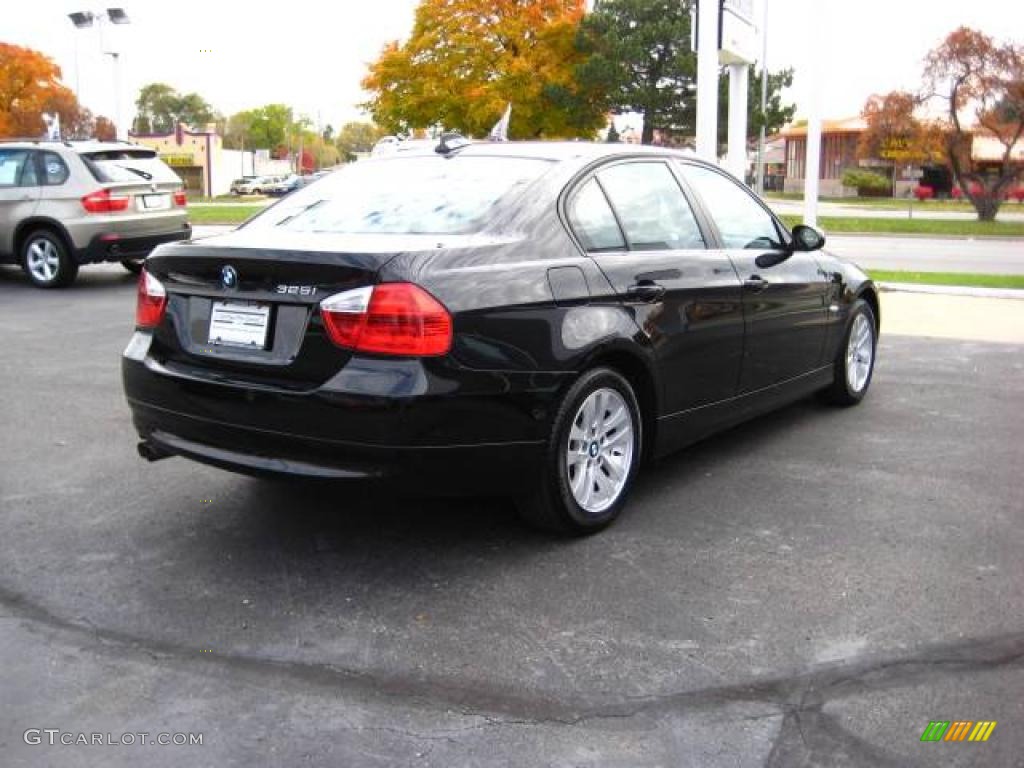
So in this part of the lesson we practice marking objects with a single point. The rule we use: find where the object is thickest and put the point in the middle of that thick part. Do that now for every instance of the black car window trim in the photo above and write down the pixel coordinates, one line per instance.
(655, 160)
(577, 190)
(785, 238)
(708, 234)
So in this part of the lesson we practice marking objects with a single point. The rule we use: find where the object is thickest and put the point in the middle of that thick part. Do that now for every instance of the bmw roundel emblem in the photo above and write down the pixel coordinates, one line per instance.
(229, 277)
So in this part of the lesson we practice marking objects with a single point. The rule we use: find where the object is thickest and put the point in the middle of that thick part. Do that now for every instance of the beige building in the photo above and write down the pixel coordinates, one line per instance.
(199, 158)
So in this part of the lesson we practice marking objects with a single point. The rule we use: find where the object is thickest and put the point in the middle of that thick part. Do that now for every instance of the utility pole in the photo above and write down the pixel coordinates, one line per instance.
(812, 164)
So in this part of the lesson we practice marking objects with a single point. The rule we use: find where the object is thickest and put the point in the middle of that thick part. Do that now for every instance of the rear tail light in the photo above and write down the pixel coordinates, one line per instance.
(180, 200)
(102, 201)
(151, 301)
(388, 319)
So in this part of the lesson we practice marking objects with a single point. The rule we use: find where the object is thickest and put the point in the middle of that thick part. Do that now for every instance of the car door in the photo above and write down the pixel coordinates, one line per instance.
(784, 303)
(636, 223)
(19, 193)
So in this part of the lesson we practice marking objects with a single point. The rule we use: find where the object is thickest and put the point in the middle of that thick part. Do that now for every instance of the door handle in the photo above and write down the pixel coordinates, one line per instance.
(755, 283)
(645, 290)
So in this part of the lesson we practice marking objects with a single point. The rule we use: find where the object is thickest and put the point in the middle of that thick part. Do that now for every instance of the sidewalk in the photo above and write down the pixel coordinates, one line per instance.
(945, 316)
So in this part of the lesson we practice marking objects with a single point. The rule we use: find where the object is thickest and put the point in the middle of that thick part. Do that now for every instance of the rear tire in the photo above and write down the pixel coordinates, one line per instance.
(133, 265)
(46, 260)
(591, 458)
(855, 358)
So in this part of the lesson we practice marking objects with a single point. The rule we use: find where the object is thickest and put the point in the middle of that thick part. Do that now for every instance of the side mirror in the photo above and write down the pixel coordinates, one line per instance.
(807, 238)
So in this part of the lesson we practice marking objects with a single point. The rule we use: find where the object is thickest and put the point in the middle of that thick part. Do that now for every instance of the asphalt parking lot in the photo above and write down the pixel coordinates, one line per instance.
(808, 589)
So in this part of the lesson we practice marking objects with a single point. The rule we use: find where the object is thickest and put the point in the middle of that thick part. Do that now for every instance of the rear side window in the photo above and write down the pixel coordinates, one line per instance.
(55, 172)
(17, 168)
(137, 165)
(654, 213)
(410, 195)
(593, 221)
(741, 220)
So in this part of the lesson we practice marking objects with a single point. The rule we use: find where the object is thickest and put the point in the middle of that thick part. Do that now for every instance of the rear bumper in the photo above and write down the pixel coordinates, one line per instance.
(449, 437)
(112, 246)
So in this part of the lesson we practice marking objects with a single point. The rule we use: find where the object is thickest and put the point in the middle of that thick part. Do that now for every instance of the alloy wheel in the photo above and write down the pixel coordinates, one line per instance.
(599, 451)
(860, 353)
(43, 260)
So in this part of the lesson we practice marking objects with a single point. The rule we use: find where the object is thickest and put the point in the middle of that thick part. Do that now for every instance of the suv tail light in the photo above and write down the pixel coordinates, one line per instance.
(151, 301)
(388, 319)
(102, 201)
(179, 199)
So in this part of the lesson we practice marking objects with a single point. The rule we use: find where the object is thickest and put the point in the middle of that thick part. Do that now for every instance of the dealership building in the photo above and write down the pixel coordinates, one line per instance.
(204, 165)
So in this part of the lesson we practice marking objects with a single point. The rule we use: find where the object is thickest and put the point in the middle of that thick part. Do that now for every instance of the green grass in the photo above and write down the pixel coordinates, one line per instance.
(966, 227)
(973, 280)
(222, 214)
(890, 203)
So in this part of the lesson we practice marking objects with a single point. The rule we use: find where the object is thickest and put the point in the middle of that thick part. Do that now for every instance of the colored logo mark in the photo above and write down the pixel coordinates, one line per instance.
(958, 730)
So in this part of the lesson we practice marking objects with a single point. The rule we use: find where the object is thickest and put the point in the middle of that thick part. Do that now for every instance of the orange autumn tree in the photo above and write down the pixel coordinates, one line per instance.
(29, 87)
(978, 78)
(894, 132)
(466, 60)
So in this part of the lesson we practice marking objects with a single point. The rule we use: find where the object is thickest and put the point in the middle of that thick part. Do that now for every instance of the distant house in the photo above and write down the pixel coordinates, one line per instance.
(839, 151)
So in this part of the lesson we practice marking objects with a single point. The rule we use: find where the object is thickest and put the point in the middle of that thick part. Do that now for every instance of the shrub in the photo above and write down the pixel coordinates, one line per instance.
(956, 193)
(1017, 194)
(923, 192)
(865, 181)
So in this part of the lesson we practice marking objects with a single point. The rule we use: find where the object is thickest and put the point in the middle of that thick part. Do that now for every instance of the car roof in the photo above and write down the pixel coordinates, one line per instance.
(76, 145)
(583, 151)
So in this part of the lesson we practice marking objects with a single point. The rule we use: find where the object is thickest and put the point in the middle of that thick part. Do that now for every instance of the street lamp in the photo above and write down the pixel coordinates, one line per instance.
(86, 19)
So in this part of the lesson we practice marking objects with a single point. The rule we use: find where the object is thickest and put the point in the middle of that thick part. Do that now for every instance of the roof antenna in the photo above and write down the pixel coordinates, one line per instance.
(450, 142)
(500, 130)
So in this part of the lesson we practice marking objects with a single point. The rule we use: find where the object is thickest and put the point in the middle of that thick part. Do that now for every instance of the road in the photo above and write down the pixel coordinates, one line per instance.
(808, 589)
(922, 254)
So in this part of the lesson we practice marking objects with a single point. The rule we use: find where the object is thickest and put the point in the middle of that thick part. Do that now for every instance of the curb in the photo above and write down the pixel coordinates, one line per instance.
(922, 236)
(953, 290)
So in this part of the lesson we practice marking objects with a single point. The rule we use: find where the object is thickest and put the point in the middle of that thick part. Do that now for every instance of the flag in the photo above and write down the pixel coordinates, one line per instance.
(500, 130)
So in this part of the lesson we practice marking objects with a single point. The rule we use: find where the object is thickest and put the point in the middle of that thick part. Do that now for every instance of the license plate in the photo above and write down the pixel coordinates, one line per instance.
(154, 202)
(239, 324)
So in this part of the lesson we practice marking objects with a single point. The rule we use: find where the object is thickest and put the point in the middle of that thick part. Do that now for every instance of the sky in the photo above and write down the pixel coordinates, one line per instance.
(312, 54)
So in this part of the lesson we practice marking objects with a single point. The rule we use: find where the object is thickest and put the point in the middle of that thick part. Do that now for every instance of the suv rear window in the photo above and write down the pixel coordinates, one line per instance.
(139, 165)
(404, 196)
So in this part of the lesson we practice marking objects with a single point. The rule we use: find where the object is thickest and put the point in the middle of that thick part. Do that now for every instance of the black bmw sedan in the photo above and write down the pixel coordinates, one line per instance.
(529, 319)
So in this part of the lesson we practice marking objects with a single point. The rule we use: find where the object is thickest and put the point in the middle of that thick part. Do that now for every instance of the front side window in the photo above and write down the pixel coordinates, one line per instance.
(654, 213)
(404, 196)
(55, 172)
(17, 168)
(593, 221)
(742, 221)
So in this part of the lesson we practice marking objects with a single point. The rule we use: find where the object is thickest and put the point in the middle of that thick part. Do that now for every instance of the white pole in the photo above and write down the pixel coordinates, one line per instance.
(738, 85)
(812, 164)
(764, 95)
(707, 79)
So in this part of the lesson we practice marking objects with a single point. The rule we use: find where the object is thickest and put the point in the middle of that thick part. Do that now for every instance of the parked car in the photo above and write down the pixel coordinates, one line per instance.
(531, 319)
(284, 185)
(66, 204)
(254, 185)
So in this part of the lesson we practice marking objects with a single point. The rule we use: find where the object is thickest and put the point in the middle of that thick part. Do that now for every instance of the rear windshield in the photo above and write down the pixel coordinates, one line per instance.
(421, 195)
(138, 165)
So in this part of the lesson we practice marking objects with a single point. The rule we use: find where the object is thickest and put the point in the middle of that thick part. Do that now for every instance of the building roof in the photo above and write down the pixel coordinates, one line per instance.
(843, 125)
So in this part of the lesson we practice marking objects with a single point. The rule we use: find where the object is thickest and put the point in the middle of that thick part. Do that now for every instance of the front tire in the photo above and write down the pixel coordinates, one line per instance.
(591, 458)
(47, 261)
(855, 358)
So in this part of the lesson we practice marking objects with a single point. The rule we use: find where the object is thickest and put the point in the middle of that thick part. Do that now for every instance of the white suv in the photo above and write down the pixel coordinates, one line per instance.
(64, 204)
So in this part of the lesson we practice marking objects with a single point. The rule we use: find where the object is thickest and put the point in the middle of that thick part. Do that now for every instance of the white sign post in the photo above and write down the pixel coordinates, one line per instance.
(707, 80)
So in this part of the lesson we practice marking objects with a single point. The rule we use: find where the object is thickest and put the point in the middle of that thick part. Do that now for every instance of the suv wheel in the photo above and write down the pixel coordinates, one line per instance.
(46, 260)
(133, 265)
(591, 459)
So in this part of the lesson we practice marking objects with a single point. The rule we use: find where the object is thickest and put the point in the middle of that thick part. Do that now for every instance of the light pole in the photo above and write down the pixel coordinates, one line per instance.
(86, 19)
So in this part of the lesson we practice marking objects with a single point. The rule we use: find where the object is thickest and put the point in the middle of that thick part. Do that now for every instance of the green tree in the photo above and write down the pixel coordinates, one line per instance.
(159, 109)
(357, 137)
(464, 62)
(775, 114)
(638, 55)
